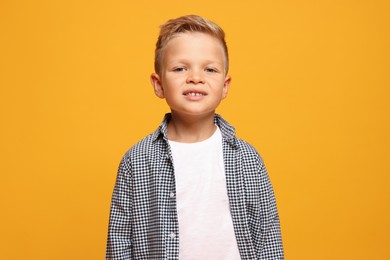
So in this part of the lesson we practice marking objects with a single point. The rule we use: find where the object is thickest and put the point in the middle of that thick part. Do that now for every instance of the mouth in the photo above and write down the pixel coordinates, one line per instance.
(192, 93)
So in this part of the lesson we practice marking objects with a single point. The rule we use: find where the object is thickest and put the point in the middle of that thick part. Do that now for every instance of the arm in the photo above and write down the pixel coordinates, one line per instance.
(119, 230)
(272, 239)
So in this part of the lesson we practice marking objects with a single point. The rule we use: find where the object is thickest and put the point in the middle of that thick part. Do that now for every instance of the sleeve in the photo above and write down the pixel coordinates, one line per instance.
(119, 229)
(272, 246)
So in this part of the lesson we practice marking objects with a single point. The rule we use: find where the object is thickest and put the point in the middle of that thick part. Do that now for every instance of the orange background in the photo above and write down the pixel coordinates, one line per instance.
(310, 91)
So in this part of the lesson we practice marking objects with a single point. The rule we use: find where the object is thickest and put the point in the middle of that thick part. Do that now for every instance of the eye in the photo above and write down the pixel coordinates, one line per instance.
(211, 70)
(179, 69)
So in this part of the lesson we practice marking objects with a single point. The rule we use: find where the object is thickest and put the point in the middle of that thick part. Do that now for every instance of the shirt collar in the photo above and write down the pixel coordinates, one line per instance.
(227, 130)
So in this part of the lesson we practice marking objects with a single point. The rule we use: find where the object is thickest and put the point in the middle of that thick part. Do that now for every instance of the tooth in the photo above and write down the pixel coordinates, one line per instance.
(193, 94)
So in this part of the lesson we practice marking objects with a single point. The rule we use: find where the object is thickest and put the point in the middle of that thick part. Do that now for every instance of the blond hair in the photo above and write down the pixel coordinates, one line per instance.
(183, 24)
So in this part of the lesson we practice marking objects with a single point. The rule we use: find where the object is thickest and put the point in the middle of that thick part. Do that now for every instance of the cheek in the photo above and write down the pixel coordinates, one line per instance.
(171, 80)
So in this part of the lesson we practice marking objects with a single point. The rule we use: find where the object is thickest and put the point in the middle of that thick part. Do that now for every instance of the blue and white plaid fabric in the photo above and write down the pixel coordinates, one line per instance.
(143, 219)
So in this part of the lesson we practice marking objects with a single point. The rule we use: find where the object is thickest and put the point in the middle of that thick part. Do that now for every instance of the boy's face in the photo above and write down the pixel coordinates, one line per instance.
(192, 77)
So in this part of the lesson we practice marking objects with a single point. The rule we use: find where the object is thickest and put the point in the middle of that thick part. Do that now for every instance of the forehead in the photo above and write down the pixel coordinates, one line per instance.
(192, 36)
(193, 42)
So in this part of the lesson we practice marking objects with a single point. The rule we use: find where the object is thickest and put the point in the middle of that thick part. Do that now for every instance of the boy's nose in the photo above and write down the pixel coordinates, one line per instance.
(195, 77)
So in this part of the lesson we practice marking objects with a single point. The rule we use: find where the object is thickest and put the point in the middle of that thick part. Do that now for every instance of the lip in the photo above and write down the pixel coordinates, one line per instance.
(194, 95)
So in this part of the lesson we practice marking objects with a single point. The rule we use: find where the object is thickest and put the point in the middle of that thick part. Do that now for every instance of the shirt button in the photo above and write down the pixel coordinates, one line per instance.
(172, 235)
(172, 195)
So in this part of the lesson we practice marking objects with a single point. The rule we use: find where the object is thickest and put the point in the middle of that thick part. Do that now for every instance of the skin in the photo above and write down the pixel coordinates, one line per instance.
(193, 82)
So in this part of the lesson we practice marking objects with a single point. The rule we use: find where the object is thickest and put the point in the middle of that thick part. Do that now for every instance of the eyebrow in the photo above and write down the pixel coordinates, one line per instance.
(205, 62)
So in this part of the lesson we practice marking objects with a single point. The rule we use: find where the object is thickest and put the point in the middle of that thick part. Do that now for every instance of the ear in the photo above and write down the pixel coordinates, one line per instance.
(157, 86)
(226, 86)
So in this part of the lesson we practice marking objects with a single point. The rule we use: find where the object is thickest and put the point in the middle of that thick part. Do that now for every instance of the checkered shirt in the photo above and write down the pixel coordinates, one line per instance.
(143, 220)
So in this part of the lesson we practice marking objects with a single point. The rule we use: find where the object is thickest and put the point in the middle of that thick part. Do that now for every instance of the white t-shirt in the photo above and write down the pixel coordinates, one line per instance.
(205, 223)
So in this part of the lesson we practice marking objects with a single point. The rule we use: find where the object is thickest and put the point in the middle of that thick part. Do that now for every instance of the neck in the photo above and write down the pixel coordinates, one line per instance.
(188, 129)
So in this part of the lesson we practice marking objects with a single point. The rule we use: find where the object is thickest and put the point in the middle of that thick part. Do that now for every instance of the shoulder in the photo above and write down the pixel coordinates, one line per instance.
(250, 157)
(248, 153)
(145, 148)
(247, 149)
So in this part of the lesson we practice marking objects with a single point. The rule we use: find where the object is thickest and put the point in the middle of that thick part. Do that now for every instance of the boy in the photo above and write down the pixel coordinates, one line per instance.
(191, 189)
